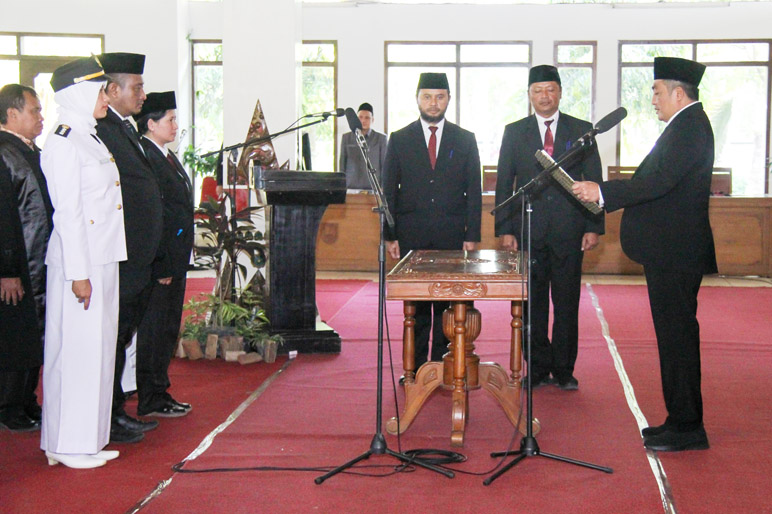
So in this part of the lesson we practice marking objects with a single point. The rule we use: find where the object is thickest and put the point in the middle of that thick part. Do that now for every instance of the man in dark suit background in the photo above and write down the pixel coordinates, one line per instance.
(143, 216)
(432, 185)
(665, 227)
(25, 226)
(561, 228)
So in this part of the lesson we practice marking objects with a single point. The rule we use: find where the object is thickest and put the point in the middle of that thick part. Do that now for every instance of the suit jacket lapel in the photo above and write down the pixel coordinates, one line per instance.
(561, 137)
(447, 143)
(112, 116)
(418, 144)
(181, 170)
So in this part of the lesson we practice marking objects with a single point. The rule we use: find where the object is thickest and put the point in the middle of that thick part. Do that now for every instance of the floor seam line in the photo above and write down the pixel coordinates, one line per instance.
(209, 439)
(666, 494)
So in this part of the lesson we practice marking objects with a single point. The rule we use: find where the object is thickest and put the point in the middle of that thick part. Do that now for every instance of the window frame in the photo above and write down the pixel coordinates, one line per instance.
(334, 66)
(593, 66)
(457, 64)
(694, 43)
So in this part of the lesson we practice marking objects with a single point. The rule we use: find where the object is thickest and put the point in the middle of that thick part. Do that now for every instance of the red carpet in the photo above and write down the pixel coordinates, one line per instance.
(321, 412)
(735, 475)
(215, 388)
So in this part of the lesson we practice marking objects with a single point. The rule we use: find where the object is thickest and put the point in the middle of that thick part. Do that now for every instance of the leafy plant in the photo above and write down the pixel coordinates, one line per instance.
(199, 166)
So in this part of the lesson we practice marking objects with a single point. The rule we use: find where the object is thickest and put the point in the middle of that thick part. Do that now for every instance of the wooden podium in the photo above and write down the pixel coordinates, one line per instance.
(460, 277)
(296, 202)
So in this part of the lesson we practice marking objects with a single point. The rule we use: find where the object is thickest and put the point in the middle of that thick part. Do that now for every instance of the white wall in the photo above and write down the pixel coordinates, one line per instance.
(361, 32)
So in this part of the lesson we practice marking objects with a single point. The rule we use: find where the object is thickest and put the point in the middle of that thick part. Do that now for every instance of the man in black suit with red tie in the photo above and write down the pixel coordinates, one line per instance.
(561, 228)
(143, 218)
(432, 184)
(665, 227)
(159, 330)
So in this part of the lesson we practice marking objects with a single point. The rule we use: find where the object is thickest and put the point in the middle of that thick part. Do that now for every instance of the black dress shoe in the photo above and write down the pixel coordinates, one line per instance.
(133, 424)
(19, 423)
(539, 380)
(119, 434)
(656, 430)
(182, 405)
(670, 441)
(167, 410)
(568, 384)
(34, 412)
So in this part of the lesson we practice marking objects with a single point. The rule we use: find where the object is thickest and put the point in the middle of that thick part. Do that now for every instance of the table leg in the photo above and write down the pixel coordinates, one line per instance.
(408, 341)
(516, 349)
(494, 379)
(428, 379)
(458, 415)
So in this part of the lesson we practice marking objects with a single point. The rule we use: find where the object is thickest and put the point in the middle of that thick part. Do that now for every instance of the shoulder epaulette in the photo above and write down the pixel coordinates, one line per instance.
(62, 130)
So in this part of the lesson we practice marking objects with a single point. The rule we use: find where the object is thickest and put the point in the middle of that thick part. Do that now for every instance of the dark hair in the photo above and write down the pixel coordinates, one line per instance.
(143, 121)
(116, 78)
(12, 96)
(690, 90)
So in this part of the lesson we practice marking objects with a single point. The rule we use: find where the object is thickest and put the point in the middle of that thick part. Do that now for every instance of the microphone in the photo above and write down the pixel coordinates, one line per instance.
(610, 120)
(605, 124)
(356, 127)
(353, 120)
(336, 113)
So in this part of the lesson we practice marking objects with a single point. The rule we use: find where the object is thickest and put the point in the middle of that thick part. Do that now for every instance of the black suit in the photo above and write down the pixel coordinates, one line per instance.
(558, 225)
(143, 219)
(436, 208)
(159, 329)
(666, 228)
(25, 226)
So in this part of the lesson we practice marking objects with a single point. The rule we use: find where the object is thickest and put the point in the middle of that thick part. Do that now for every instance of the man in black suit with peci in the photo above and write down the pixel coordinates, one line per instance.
(665, 227)
(432, 184)
(143, 217)
(561, 228)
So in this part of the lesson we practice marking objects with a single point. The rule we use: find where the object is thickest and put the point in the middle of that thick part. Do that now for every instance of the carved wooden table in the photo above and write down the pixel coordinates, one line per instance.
(459, 277)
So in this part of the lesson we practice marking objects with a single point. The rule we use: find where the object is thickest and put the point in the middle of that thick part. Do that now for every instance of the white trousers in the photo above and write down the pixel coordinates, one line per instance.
(79, 362)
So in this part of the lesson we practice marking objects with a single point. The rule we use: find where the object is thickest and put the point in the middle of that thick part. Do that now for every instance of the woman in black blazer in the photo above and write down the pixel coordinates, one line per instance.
(158, 333)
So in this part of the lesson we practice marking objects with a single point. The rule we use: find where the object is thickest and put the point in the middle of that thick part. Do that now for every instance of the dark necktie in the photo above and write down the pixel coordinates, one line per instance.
(549, 141)
(433, 146)
(133, 134)
(180, 171)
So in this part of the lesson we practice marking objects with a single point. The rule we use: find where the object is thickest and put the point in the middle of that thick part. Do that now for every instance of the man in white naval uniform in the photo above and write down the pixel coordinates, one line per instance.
(86, 245)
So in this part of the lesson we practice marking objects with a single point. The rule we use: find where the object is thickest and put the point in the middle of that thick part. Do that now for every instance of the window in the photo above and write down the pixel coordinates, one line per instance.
(30, 59)
(488, 85)
(576, 64)
(320, 94)
(734, 92)
(207, 81)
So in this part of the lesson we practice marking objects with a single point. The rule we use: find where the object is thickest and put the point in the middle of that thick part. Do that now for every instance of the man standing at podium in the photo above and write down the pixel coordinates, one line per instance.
(665, 227)
(432, 185)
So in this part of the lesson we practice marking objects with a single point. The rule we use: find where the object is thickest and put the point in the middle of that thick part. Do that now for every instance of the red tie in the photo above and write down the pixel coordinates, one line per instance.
(549, 142)
(433, 146)
(171, 161)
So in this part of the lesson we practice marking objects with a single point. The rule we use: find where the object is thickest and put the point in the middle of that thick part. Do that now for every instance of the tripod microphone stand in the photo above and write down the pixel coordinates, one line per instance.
(529, 447)
(378, 444)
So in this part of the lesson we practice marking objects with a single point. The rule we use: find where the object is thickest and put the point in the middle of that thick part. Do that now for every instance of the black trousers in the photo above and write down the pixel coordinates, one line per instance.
(17, 391)
(673, 301)
(428, 318)
(135, 288)
(562, 277)
(156, 342)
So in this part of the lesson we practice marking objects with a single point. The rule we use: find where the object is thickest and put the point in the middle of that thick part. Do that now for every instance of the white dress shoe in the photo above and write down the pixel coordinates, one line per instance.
(76, 461)
(106, 454)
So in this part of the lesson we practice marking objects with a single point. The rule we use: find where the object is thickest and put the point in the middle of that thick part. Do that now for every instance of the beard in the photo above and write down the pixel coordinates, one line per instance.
(428, 118)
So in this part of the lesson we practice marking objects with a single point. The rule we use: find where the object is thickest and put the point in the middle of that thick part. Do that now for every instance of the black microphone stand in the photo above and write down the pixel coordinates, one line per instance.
(529, 447)
(378, 444)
